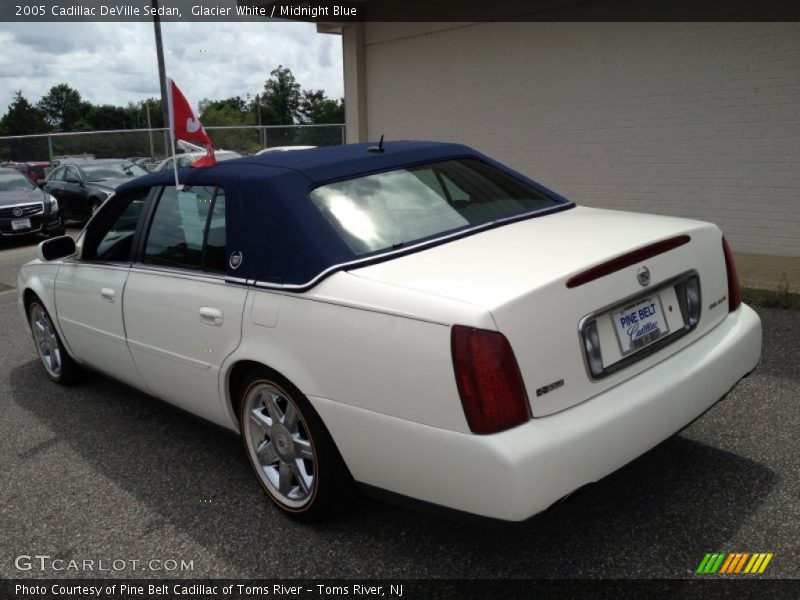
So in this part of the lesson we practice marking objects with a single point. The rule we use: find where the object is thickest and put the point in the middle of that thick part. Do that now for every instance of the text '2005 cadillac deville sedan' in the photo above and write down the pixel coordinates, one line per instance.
(415, 318)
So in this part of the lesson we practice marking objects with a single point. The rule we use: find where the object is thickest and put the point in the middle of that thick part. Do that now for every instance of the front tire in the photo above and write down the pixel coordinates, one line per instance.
(57, 363)
(289, 448)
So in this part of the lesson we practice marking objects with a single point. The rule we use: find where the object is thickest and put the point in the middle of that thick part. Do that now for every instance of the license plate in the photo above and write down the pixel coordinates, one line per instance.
(18, 224)
(639, 324)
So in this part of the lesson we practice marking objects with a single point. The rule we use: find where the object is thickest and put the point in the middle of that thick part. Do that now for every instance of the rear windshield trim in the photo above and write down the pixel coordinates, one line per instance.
(382, 256)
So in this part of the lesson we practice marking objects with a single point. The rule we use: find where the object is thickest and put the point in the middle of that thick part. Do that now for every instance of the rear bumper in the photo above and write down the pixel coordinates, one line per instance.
(518, 473)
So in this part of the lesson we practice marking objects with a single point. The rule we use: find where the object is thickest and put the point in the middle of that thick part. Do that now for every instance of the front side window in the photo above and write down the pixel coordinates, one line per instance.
(389, 210)
(188, 229)
(72, 175)
(110, 238)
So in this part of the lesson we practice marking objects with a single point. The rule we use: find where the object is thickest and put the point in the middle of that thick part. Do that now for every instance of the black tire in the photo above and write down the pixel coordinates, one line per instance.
(50, 348)
(58, 232)
(96, 204)
(284, 450)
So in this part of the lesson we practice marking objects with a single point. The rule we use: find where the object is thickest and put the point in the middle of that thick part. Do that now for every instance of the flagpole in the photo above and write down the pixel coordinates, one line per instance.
(170, 83)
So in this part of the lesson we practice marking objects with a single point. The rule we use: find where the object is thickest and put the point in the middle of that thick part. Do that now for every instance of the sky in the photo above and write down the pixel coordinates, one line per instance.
(115, 63)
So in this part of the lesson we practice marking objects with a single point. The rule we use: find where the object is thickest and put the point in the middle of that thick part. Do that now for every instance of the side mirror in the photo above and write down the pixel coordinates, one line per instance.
(57, 247)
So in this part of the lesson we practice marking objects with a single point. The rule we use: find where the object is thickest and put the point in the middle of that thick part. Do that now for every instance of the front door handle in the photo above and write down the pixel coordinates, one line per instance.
(108, 294)
(210, 315)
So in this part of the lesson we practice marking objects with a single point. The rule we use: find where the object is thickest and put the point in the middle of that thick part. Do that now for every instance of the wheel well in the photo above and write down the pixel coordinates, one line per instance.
(29, 296)
(235, 379)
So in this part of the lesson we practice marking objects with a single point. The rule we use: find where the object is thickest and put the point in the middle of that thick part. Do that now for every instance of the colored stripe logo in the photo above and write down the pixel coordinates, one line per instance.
(734, 563)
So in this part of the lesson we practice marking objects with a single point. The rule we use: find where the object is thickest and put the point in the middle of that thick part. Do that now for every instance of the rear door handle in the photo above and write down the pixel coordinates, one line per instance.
(210, 315)
(108, 294)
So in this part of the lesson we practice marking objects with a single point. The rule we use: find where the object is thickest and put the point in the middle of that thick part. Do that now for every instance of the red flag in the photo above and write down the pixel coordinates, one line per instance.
(185, 126)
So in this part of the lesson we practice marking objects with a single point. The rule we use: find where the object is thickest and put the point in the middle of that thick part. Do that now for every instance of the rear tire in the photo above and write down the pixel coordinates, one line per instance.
(291, 452)
(57, 363)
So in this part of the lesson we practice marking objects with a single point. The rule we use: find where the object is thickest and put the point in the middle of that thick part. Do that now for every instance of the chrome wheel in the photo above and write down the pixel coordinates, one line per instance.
(44, 334)
(280, 446)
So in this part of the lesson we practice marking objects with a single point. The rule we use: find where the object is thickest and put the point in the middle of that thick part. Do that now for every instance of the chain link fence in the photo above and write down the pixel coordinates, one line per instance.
(154, 143)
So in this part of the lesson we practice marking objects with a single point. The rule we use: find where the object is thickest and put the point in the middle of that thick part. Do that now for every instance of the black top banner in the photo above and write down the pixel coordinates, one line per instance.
(325, 11)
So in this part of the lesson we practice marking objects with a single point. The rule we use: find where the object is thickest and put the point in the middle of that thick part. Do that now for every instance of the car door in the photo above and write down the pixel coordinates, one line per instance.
(89, 291)
(182, 319)
(75, 192)
(55, 185)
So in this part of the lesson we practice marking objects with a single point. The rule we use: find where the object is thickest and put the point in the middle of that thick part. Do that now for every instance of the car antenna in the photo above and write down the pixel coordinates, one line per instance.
(378, 148)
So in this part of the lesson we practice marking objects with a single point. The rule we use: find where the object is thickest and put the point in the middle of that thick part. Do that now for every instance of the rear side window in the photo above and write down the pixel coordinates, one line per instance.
(188, 230)
(216, 250)
(391, 209)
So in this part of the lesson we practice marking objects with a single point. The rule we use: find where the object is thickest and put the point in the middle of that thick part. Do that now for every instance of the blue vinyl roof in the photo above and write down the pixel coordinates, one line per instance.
(285, 241)
(329, 163)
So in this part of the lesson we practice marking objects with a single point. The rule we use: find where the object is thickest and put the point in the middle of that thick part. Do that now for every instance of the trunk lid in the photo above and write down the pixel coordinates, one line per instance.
(519, 273)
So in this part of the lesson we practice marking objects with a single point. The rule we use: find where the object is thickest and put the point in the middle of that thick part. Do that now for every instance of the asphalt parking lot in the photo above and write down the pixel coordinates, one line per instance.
(99, 471)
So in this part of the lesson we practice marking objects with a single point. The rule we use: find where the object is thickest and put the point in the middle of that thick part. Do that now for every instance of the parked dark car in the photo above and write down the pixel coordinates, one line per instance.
(35, 171)
(83, 186)
(145, 162)
(25, 209)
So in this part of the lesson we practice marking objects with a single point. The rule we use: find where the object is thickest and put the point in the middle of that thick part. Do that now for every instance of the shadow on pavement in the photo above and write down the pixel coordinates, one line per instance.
(22, 241)
(653, 518)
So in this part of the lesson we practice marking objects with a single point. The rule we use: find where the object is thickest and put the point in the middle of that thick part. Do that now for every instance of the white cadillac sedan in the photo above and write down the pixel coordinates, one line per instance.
(414, 318)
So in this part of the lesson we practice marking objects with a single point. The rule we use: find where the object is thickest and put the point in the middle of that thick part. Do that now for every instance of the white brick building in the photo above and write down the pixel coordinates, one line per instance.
(690, 119)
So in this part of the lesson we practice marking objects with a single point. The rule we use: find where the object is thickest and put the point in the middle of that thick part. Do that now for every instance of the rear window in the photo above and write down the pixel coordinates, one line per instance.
(122, 170)
(391, 209)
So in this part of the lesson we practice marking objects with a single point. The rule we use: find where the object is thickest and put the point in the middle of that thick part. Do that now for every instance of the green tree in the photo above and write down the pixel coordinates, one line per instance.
(106, 116)
(22, 118)
(317, 108)
(136, 113)
(231, 111)
(62, 107)
(281, 98)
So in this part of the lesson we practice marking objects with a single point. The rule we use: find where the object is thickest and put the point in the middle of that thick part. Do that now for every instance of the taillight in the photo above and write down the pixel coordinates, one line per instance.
(734, 293)
(488, 379)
